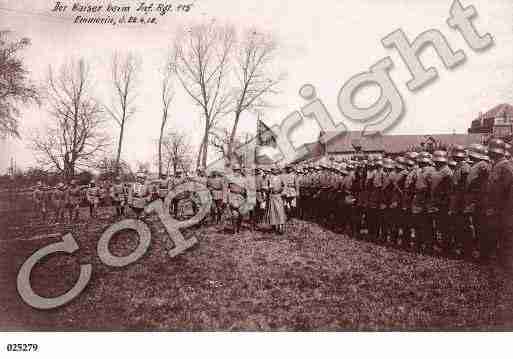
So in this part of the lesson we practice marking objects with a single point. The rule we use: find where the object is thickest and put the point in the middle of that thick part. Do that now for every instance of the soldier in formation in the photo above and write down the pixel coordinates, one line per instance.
(448, 202)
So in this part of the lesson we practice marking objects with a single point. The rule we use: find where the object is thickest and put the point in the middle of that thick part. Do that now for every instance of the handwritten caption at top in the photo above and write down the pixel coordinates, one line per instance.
(120, 13)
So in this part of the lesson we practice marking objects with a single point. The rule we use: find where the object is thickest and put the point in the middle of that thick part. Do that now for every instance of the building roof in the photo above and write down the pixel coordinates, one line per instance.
(346, 142)
(502, 110)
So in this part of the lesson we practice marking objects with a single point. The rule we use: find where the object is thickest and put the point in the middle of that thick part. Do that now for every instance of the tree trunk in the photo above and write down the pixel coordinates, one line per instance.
(121, 131)
(160, 145)
(232, 136)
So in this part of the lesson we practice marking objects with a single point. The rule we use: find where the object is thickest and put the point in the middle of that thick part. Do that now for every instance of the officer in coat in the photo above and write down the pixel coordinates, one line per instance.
(73, 198)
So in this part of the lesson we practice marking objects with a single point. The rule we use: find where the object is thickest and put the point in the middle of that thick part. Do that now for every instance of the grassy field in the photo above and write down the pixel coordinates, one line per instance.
(307, 279)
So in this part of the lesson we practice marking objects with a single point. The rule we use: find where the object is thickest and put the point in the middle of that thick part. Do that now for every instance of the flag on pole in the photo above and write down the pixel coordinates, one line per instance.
(265, 135)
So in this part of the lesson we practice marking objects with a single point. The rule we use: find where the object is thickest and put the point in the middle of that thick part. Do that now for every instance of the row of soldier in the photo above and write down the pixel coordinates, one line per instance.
(227, 193)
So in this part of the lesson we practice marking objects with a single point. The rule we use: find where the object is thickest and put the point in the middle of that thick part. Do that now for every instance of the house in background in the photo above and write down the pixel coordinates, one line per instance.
(497, 122)
(349, 144)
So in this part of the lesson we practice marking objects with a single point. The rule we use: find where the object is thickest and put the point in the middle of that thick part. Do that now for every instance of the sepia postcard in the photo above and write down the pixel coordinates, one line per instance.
(255, 166)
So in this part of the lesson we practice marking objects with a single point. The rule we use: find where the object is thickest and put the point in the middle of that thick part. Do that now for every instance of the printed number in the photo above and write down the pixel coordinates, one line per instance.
(68, 245)
(22, 347)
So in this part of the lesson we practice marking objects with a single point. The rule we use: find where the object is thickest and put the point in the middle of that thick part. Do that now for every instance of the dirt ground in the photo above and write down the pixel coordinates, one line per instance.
(307, 279)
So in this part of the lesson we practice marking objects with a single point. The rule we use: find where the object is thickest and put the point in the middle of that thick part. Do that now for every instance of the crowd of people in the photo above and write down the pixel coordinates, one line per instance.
(455, 203)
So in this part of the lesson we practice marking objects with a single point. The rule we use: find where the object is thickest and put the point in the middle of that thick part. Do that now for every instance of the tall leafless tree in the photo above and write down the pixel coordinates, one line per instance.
(15, 87)
(125, 71)
(256, 77)
(166, 98)
(75, 135)
(200, 61)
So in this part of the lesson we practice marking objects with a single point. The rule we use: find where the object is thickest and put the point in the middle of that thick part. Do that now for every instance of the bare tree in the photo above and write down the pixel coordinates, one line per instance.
(176, 151)
(125, 78)
(15, 88)
(200, 61)
(220, 139)
(166, 98)
(109, 168)
(75, 134)
(255, 76)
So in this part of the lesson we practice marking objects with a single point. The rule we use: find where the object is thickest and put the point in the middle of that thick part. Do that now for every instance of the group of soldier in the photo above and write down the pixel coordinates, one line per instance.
(456, 202)
(227, 194)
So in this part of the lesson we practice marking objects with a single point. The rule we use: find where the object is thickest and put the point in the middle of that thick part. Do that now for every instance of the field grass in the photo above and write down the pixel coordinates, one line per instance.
(307, 279)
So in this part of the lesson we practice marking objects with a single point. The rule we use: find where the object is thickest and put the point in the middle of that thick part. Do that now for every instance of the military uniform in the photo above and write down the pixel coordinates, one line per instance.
(290, 192)
(216, 186)
(422, 222)
(138, 197)
(460, 230)
(236, 192)
(118, 197)
(375, 210)
(501, 205)
(276, 215)
(40, 205)
(441, 189)
(58, 200)
(93, 199)
(73, 199)
(475, 208)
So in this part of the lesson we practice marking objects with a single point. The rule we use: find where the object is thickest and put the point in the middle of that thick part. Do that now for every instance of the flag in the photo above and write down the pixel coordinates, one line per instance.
(265, 136)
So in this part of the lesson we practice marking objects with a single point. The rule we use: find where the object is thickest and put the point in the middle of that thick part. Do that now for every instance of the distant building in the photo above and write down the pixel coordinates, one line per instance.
(497, 122)
(348, 144)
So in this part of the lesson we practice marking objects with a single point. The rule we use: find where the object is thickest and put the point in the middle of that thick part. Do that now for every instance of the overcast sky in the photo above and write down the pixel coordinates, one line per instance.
(322, 42)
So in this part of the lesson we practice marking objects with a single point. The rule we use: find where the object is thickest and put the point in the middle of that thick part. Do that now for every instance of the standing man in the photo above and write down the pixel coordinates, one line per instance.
(73, 197)
(39, 203)
(422, 223)
(117, 194)
(276, 216)
(139, 195)
(461, 228)
(441, 191)
(163, 189)
(176, 180)
(476, 202)
(236, 195)
(375, 210)
(215, 183)
(58, 201)
(93, 198)
(290, 191)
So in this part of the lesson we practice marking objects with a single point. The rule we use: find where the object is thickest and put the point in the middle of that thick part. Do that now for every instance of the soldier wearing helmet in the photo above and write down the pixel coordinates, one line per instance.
(500, 206)
(290, 191)
(460, 230)
(237, 193)
(374, 210)
(118, 196)
(422, 224)
(389, 201)
(441, 190)
(476, 199)
(93, 198)
(216, 186)
(58, 200)
(39, 202)
(139, 194)
(73, 198)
